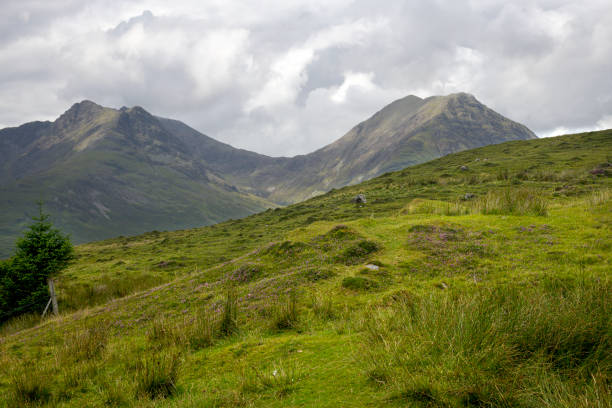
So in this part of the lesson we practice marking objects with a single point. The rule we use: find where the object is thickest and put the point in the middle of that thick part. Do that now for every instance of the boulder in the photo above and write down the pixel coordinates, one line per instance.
(359, 199)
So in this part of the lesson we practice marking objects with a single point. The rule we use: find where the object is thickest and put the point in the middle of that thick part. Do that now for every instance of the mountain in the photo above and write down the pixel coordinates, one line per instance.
(406, 132)
(105, 172)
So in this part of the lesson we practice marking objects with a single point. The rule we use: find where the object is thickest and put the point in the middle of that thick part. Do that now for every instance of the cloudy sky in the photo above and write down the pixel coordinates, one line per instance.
(285, 77)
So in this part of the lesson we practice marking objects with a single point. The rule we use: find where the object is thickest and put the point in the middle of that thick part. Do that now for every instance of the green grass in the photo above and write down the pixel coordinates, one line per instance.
(500, 299)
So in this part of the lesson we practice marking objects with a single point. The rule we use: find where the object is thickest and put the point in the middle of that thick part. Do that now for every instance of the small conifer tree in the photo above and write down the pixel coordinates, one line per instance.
(26, 281)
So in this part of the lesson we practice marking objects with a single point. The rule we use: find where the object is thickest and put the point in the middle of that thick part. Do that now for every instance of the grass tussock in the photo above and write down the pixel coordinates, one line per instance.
(281, 378)
(229, 316)
(85, 344)
(323, 307)
(599, 197)
(19, 323)
(285, 313)
(197, 332)
(157, 375)
(512, 201)
(30, 385)
(421, 206)
(500, 347)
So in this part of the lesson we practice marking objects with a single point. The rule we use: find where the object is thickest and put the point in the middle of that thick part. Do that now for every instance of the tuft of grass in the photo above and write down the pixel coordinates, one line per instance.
(500, 344)
(166, 332)
(512, 201)
(201, 332)
(85, 344)
(323, 307)
(29, 385)
(599, 197)
(18, 323)
(229, 317)
(280, 377)
(285, 313)
(114, 393)
(156, 375)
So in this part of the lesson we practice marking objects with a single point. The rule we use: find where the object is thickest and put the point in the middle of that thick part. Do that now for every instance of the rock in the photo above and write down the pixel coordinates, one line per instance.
(359, 199)
(372, 267)
(441, 285)
(464, 168)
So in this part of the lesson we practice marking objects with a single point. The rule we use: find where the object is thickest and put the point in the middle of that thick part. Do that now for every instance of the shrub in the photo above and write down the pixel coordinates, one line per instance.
(157, 375)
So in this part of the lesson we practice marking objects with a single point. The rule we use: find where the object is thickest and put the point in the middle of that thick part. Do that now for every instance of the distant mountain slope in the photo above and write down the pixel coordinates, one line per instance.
(105, 172)
(406, 132)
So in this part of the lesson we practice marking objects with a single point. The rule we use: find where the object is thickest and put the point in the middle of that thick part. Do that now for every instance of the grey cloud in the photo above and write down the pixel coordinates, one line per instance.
(215, 65)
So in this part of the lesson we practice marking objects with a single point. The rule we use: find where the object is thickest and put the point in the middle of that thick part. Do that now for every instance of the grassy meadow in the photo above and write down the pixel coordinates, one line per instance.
(480, 279)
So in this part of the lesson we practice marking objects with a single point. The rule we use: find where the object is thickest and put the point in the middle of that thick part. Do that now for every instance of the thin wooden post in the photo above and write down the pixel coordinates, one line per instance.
(46, 308)
(52, 294)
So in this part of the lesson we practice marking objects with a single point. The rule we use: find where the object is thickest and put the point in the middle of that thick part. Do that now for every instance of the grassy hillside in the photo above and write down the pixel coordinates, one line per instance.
(478, 279)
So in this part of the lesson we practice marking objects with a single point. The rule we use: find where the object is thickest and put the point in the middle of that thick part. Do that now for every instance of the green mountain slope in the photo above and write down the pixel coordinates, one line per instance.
(406, 132)
(105, 172)
(423, 296)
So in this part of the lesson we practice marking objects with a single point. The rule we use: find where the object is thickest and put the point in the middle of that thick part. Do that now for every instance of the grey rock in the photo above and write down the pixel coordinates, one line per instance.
(359, 199)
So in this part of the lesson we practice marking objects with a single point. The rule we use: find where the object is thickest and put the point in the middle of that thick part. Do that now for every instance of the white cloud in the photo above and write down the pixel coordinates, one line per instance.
(353, 80)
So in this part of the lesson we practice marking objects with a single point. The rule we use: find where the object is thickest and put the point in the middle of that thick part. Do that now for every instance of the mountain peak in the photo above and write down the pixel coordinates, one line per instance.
(85, 105)
(85, 109)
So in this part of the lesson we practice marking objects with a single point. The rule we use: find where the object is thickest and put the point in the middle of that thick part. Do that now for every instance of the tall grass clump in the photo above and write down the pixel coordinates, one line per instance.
(421, 206)
(157, 375)
(498, 347)
(285, 314)
(18, 323)
(323, 307)
(599, 197)
(197, 332)
(85, 344)
(228, 324)
(201, 332)
(512, 201)
(29, 385)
